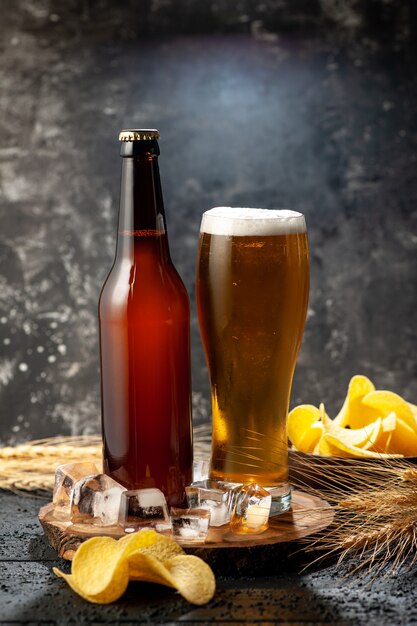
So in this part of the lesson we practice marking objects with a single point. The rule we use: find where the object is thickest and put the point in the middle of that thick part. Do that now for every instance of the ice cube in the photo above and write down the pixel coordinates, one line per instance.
(140, 508)
(214, 496)
(190, 525)
(251, 510)
(96, 500)
(65, 478)
(201, 469)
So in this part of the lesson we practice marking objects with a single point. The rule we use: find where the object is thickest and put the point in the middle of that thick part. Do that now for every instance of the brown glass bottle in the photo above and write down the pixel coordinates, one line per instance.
(144, 338)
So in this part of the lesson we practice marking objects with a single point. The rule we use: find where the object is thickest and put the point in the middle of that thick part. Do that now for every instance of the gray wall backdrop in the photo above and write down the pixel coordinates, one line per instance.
(301, 104)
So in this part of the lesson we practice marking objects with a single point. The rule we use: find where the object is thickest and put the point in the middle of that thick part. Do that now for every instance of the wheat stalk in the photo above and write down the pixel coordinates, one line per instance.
(29, 468)
(375, 512)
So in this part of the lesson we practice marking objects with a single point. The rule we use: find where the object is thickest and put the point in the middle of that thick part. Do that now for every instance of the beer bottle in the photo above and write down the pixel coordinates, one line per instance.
(144, 338)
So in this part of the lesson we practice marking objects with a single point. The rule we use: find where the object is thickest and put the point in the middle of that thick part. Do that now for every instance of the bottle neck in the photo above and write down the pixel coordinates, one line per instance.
(141, 215)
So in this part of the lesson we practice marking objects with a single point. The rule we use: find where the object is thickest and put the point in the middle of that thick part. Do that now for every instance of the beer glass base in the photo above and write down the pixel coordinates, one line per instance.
(281, 499)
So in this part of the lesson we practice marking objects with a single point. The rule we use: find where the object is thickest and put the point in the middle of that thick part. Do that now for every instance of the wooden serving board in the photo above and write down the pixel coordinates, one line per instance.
(227, 552)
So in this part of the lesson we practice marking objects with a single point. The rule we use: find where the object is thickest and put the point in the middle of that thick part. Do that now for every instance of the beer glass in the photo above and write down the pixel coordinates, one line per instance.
(252, 294)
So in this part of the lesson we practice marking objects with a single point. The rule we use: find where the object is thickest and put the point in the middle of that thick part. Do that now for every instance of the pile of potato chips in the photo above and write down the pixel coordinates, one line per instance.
(370, 424)
(102, 567)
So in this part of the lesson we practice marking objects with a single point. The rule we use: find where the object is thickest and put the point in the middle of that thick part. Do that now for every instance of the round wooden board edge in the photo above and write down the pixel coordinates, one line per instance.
(308, 515)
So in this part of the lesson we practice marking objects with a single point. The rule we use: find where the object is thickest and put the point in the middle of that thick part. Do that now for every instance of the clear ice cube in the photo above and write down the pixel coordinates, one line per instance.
(65, 478)
(96, 500)
(140, 508)
(251, 510)
(190, 525)
(214, 496)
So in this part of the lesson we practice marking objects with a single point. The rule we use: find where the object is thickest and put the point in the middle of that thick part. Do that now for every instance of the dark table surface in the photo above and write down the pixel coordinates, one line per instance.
(30, 593)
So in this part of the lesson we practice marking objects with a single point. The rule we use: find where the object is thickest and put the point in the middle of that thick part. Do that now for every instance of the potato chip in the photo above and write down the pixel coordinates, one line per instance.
(193, 578)
(150, 542)
(147, 568)
(386, 402)
(352, 413)
(379, 422)
(331, 446)
(98, 574)
(359, 437)
(403, 440)
(413, 407)
(311, 437)
(304, 427)
(388, 425)
(188, 574)
(102, 567)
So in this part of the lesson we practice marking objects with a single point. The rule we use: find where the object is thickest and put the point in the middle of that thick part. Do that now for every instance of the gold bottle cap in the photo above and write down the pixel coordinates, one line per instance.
(138, 134)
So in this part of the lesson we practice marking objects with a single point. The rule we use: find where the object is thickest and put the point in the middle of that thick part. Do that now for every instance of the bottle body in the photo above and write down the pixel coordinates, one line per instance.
(145, 360)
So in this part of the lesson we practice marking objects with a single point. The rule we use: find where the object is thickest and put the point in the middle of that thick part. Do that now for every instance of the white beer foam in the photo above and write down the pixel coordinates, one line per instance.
(242, 222)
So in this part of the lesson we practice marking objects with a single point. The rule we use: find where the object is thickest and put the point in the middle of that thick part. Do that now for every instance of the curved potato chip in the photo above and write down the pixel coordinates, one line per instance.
(413, 407)
(190, 575)
(386, 402)
(383, 441)
(98, 573)
(147, 568)
(364, 437)
(380, 422)
(91, 548)
(110, 593)
(310, 438)
(193, 578)
(102, 567)
(352, 413)
(330, 445)
(150, 542)
(403, 439)
(300, 425)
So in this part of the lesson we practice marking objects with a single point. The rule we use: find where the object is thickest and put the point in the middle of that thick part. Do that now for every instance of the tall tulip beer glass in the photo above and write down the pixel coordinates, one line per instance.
(252, 294)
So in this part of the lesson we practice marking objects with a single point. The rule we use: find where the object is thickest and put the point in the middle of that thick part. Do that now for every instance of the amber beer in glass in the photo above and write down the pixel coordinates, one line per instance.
(252, 294)
(144, 338)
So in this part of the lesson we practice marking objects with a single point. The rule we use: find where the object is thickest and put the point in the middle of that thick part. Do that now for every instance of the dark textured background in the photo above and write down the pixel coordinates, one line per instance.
(306, 104)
